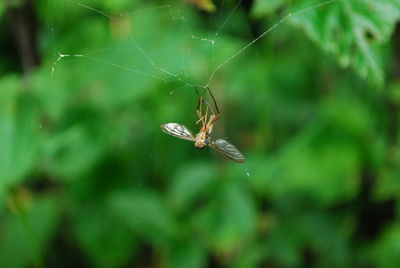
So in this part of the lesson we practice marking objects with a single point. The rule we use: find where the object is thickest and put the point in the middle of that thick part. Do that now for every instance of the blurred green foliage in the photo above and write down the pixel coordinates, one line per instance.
(88, 179)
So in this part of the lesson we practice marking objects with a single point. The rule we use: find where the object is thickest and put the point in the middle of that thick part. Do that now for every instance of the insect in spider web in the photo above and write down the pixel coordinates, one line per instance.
(205, 125)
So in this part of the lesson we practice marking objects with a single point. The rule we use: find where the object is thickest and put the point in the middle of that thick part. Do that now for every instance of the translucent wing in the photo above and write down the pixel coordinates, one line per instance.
(227, 149)
(177, 130)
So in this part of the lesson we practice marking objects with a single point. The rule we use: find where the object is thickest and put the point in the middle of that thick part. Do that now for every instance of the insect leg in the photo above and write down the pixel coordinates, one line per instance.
(199, 105)
(205, 118)
(215, 102)
(202, 118)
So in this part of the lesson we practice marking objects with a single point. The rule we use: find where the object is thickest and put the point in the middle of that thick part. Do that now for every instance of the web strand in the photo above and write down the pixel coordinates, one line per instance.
(155, 65)
(95, 10)
(175, 76)
(211, 41)
(119, 16)
(144, 10)
(61, 56)
(228, 17)
(264, 34)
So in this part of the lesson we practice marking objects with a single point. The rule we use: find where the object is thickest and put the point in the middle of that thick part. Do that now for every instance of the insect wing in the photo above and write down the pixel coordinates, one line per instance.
(178, 131)
(227, 149)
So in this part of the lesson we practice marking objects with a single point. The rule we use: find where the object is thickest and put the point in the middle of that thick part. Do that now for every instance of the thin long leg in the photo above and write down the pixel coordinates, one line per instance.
(214, 117)
(202, 118)
(215, 102)
(197, 92)
(202, 99)
(203, 96)
(199, 105)
(205, 118)
(206, 126)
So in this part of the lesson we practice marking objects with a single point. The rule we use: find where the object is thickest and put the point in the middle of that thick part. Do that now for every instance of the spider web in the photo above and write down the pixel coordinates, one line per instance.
(175, 15)
(174, 70)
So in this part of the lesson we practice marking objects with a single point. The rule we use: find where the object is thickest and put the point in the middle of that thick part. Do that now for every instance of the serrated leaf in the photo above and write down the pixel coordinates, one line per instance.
(353, 30)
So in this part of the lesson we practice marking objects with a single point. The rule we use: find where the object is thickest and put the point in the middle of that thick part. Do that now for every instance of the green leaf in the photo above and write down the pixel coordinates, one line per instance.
(117, 5)
(19, 132)
(355, 31)
(145, 214)
(349, 115)
(71, 152)
(27, 234)
(2, 8)
(266, 7)
(388, 185)
(104, 239)
(189, 255)
(228, 220)
(387, 247)
(189, 184)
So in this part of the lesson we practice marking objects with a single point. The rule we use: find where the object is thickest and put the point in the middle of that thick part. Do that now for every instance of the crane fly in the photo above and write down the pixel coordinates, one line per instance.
(205, 124)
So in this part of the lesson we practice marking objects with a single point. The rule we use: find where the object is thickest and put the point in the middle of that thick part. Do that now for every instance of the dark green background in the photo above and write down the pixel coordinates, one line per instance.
(87, 178)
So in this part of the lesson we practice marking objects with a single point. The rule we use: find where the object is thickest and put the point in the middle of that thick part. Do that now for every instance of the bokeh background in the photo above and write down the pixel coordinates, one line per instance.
(87, 178)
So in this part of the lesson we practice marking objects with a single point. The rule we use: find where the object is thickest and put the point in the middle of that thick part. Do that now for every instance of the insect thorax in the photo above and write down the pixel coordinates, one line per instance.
(202, 140)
